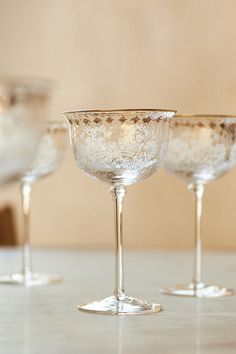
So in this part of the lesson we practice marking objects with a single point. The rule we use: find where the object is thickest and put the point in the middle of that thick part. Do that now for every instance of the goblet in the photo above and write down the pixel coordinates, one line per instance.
(22, 102)
(119, 147)
(202, 148)
(47, 159)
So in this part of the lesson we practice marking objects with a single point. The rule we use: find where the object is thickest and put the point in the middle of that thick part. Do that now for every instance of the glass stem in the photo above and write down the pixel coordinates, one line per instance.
(118, 195)
(25, 193)
(197, 277)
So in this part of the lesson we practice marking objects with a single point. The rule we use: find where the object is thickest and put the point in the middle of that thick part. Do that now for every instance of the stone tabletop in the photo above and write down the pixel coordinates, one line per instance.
(44, 320)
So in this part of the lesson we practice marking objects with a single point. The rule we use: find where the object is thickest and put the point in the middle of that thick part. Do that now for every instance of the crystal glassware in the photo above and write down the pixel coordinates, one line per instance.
(119, 147)
(202, 148)
(47, 159)
(23, 101)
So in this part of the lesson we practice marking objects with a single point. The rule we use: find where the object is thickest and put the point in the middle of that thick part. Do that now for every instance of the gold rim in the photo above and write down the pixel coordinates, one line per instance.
(120, 110)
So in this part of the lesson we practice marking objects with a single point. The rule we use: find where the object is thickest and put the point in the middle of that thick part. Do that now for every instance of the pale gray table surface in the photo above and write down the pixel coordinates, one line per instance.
(44, 320)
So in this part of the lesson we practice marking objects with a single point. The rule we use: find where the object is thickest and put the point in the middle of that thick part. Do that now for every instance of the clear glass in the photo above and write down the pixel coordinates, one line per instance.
(202, 148)
(119, 147)
(23, 101)
(47, 159)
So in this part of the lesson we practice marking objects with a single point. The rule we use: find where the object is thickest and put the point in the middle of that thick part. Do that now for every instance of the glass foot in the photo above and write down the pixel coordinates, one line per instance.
(199, 290)
(32, 279)
(127, 306)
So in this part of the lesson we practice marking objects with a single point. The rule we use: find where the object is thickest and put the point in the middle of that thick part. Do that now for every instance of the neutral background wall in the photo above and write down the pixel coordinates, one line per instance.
(178, 54)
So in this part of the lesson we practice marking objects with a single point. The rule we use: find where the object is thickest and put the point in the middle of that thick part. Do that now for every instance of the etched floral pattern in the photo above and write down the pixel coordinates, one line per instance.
(202, 149)
(137, 145)
(119, 147)
(50, 152)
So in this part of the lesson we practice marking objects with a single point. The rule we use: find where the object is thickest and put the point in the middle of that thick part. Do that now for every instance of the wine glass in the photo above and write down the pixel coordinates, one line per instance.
(23, 101)
(202, 148)
(119, 147)
(47, 159)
